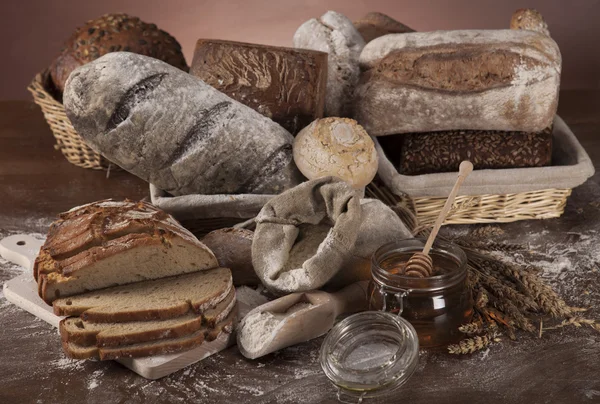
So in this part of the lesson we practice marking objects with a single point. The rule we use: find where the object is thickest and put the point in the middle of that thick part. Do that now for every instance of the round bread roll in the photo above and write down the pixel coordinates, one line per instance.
(529, 19)
(339, 147)
(114, 33)
(233, 249)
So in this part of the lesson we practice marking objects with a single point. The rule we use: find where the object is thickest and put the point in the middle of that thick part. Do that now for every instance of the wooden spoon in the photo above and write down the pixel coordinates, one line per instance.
(420, 264)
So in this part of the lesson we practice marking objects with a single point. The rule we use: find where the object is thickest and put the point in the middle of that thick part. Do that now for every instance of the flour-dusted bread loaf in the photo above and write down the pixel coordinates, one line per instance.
(334, 34)
(374, 24)
(337, 147)
(108, 243)
(175, 131)
(284, 84)
(113, 33)
(529, 19)
(233, 249)
(87, 333)
(155, 347)
(504, 80)
(156, 299)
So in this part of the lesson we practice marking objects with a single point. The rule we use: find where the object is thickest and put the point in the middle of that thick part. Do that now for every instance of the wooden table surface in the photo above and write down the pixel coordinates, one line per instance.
(36, 183)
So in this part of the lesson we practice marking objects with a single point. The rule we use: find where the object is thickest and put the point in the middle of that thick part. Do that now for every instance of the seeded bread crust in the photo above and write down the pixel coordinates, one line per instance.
(157, 299)
(164, 346)
(104, 230)
(85, 333)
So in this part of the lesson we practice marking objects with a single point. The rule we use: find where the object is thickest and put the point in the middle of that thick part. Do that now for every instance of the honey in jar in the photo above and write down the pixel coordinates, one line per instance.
(437, 305)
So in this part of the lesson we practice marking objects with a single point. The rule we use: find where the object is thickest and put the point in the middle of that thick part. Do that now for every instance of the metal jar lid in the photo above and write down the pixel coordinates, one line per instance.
(369, 354)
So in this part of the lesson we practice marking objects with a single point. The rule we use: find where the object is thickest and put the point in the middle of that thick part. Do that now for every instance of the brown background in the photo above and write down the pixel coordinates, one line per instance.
(33, 30)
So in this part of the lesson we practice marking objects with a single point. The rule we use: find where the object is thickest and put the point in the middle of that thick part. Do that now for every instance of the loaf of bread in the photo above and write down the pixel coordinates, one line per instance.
(334, 34)
(529, 19)
(87, 333)
(374, 24)
(284, 84)
(110, 243)
(113, 33)
(233, 249)
(175, 131)
(505, 80)
(437, 152)
(336, 147)
(154, 347)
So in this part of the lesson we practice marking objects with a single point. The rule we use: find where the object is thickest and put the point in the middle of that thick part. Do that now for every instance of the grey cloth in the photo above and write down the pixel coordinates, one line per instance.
(317, 232)
(571, 167)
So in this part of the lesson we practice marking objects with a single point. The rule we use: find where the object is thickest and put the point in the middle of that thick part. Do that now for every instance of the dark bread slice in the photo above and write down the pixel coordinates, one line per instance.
(164, 346)
(86, 333)
(150, 300)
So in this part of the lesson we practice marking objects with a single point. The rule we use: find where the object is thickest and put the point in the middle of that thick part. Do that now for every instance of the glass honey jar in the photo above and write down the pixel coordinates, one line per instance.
(435, 306)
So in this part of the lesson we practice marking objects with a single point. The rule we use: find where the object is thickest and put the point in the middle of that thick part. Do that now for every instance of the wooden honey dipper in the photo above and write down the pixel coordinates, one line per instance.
(420, 264)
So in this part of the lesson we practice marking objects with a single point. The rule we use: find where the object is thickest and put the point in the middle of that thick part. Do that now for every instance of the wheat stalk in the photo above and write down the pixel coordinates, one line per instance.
(474, 344)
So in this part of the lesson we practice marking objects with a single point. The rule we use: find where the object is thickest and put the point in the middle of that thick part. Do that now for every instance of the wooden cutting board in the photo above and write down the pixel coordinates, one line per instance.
(22, 291)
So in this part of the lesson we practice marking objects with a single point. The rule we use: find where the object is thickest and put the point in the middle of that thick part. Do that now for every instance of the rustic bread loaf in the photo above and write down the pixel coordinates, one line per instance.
(438, 152)
(233, 249)
(156, 299)
(337, 147)
(110, 243)
(529, 19)
(334, 34)
(113, 33)
(157, 347)
(86, 333)
(374, 24)
(284, 84)
(175, 131)
(505, 80)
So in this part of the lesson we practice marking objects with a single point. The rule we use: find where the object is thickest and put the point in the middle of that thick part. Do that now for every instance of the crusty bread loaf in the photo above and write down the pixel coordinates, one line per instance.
(529, 19)
(374, 24)
(504, 80)
(334, 34)
(150, 300)
(339, 147)
(284, 84)
(158, 347)
(175, 131)
(110, 243)
(233, 249)
(113, 33)
(86, 333)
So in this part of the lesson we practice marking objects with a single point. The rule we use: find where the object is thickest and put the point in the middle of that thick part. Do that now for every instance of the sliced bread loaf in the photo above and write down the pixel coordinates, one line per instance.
(163, 346)
(150, 300)
(86, 333)
(110, 243)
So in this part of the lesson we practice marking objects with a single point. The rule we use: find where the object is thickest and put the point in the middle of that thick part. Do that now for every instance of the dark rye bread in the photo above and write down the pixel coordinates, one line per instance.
(438, 152)
(109, 243)
(505, 80)
(159, 347)
(86, 333)
(157, 299)
(113, 33)
(284, 84)
(233, 249)
(373, 25)
(175, 131)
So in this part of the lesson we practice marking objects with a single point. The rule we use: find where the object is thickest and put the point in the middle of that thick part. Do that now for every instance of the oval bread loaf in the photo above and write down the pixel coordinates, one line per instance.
(337, 147)
(175, 131)
(334, 34)
(505, 80)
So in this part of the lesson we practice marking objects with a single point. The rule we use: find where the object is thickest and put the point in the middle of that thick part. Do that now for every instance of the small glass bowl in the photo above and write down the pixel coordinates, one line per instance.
(369, 354)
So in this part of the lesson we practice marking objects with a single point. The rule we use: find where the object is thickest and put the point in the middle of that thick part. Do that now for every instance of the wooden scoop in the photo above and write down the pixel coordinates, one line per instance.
(296, 318)
(420, 264)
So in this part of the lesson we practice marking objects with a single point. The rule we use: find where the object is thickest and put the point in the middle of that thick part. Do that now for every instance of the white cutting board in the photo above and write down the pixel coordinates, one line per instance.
(22, 291)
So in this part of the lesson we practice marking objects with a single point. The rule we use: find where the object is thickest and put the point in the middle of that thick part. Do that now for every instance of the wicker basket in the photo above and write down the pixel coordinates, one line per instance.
(68, 141)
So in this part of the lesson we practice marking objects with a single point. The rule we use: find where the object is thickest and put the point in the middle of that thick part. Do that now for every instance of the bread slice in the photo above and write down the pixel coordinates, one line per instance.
(150, 300)
(163, 346)
(86, 333)
(110, 243)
